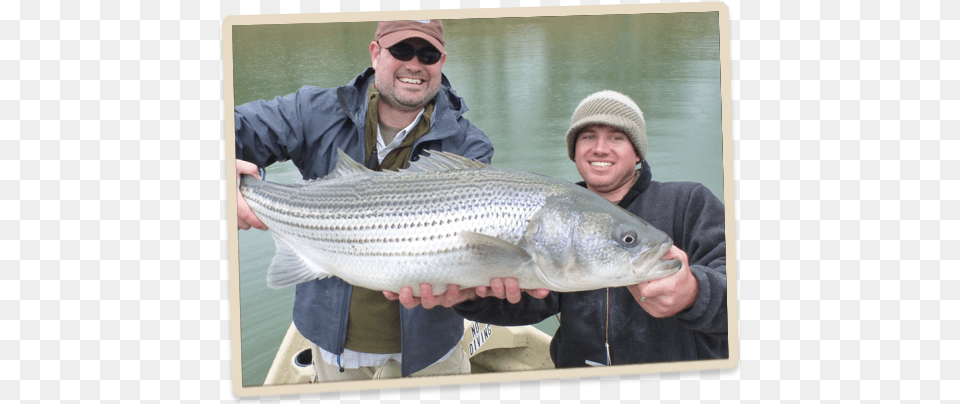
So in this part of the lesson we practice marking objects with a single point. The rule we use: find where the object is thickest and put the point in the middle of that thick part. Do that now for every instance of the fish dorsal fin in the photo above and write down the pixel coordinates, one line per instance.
(442, 161)
(347, 167)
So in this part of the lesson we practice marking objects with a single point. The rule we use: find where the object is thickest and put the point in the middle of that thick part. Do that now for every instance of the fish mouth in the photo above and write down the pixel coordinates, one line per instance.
(654, 253)
(649, 265)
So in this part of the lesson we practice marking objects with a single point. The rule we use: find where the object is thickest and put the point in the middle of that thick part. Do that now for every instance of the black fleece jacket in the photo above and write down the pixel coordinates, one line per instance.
(694, 218)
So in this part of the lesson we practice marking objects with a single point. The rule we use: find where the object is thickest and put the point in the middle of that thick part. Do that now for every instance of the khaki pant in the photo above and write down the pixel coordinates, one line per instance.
(457, 364)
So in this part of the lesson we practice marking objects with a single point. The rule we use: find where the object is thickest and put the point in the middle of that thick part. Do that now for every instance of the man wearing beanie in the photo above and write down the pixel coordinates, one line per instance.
(678, 318)
(387, 116)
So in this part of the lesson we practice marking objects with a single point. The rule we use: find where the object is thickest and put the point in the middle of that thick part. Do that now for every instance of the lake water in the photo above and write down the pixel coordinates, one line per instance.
(521, 79)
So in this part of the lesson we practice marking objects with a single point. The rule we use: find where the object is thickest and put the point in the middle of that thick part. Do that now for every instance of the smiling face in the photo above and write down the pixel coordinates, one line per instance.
(607, 160)
(405, 86)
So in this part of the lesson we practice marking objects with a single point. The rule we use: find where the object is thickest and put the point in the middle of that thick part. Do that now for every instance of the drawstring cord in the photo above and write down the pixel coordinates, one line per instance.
(606, 336)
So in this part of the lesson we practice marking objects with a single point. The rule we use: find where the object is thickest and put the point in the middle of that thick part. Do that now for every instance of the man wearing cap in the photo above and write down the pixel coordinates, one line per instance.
(680, 317)
(386, 117)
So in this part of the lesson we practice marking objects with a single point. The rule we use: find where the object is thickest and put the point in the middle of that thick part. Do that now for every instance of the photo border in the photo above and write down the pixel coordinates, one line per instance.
(231, 186)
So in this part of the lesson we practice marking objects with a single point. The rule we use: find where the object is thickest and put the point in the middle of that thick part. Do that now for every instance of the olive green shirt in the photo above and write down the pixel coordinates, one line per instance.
(373, 325)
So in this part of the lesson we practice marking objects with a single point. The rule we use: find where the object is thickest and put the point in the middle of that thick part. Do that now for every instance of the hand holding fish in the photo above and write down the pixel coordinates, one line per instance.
(667, 296)
(245, 216)
(451, 297)
(501, 288)
(509, 288)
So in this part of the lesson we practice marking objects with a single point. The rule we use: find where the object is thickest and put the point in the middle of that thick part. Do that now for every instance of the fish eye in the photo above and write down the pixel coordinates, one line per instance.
(629, 238)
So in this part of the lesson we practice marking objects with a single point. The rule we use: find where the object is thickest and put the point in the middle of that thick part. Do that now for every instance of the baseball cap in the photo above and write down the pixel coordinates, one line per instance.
(390, 33)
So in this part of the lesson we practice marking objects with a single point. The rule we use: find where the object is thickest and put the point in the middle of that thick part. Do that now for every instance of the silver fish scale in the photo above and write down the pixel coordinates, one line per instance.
(387, 230)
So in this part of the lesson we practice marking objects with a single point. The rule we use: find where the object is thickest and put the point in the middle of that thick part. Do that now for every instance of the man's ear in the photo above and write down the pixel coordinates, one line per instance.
(374, 54)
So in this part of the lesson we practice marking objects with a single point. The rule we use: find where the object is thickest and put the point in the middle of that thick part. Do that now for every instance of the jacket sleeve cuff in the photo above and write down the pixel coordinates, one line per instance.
(693, 315)
(469, 307)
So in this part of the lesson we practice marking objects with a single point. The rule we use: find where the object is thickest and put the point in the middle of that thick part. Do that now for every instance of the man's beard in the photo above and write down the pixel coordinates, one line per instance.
(406, 105)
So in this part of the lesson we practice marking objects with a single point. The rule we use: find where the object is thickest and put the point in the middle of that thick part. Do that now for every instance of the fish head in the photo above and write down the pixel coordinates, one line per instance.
(589, 243)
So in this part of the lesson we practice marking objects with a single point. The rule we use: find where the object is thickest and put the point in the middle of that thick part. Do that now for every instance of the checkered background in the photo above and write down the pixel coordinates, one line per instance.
(112, 204)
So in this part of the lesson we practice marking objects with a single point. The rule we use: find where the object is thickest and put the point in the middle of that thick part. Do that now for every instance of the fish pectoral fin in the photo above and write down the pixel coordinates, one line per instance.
(288, 267)
(496, 252)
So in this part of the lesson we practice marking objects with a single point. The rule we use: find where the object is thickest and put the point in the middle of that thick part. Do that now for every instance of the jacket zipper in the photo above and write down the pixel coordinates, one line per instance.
(344, 315)
(402, 361)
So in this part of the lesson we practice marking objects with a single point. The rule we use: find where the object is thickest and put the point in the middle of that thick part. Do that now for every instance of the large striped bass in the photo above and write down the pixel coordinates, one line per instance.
(451, 220)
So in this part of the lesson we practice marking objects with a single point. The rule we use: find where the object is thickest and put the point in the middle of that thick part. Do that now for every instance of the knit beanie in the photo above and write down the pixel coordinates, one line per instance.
(609, 108)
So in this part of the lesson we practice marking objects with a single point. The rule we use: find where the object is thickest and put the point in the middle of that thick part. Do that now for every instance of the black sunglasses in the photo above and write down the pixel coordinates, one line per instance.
(428, 55)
